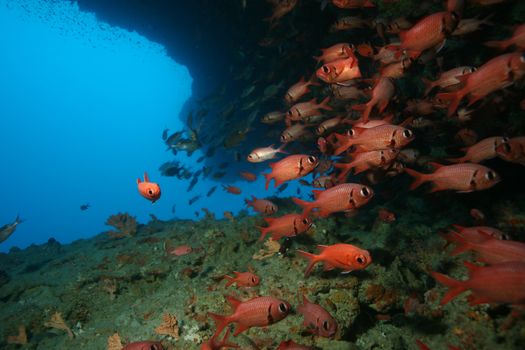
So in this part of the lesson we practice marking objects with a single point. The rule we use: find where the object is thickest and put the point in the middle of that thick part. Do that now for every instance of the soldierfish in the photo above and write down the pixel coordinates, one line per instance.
(262, 206)
(298, 90)
(243, 279)
(256, 312)
(148, 190)
(463, 178)
(264, 153)
(448, 80)
(382, 93)
(334, 52)
(341, 256)
(376, 138)
(364, 161)
(340, 198)
(288, 225)
(290, 168)
(316, 319)
(340, 70)
(143, 345)
(215, 344)
(306, 109)
(500, 284)
(513, 150)
(517, 39)
(483, 150)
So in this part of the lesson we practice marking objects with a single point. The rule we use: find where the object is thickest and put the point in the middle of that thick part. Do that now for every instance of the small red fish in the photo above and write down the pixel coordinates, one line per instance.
(148, 190)
(298, 90)
(467, 136)
(215, 344)
(483, 150)
(288, 225)
(340, 198)
(256, 312)
(333, 53)
(474, 234)
(498, 73)
(248, 176)
(463, 178)
(264, 153)
(513, 150)
(180, 250)
(353, 4)
(291, 345)
(376, 138)
(340, 70)
(386, 215)
(243, 279)
(499, 284)
(262, 206)
(448, 80)
(306, 109)
(328, 124)
(291, 168)
(382, 93)
(490, 250)
(144, 345)
(280, 9)
(517, 39)
(316, 319)
(232, 189)
(367, 160)
(327, 181)
(341, 256)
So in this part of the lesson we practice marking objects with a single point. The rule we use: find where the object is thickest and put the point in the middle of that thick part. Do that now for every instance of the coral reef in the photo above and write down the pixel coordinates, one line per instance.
(124, 223)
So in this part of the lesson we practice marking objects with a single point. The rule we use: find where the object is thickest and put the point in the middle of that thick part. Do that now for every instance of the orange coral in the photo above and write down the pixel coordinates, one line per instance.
(169, 326)
(58, 322)
(20, 339)
(271, 248)
(124, 223)
(114, 342)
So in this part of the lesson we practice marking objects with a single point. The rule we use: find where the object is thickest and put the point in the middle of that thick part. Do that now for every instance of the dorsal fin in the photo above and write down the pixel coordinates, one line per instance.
(321, 247)
(402, 35)
(146, 177)
(471, 267)
(234, 302)
(317, 193)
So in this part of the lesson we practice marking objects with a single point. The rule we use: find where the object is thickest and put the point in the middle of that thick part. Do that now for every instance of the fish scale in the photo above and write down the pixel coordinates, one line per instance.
(379, 137)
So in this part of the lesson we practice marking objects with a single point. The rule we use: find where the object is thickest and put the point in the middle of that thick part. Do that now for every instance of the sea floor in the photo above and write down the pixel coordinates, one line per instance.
(130, 285)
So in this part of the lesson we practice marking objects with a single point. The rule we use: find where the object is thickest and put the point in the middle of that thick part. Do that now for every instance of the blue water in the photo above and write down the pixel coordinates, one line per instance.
(83, 106)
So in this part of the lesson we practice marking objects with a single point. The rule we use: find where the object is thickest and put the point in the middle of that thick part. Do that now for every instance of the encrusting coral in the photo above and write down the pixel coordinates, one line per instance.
(58, 322)
(124, 223)
(270, 248)
(114, 342)
(169, 326)
(20, 338)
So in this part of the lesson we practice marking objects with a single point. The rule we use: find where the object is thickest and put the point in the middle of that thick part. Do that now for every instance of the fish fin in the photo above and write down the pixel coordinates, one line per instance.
(221, 321)
(429, 85)
(419, 178)
(146, 177)
(280, 149)
(317, 193)
(388, 119)
(312, 260)
(499, 44)
(454, 98)
(474, 300)
(486, 235)
(264, 232)
(405, 123)
(471, 267)
(328, 267)
(234, 302)
(358, 169)
(360, 107)
(240, 328)
(324, 104)
(321, 247)
(230, 279)
(457, 160)
(307, 206)
(402, 35)
(462, 245)
(268, 178)
(139, 180)
(455, 287)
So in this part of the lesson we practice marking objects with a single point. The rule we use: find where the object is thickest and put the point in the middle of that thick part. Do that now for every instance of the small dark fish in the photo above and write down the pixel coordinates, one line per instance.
(8, 229)
(173, 209)
(201, 159)
(219, 174)
(210, 192)
(192, 184)
(223, 165)
(194, 199)
(237, 156)
(173, 138)
(197, 173)
(165, 134)
(197, 214)
(298, 191)
(282, 188)
(84, 207)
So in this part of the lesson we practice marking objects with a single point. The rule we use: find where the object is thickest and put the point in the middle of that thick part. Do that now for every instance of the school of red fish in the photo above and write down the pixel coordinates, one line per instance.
(376, 142)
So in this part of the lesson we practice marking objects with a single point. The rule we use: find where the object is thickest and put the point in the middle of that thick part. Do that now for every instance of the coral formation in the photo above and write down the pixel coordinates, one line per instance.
(124, 223)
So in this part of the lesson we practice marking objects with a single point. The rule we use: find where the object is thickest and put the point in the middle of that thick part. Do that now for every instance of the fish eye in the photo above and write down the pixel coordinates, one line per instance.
(360, 259)
(306, 221)
(454, 15)
(153, 347)
(507, 148)
(283, 138)
(407, 133)
(283, 308)
(350, 132)
(311, 160)
(150, 192)
(326, 325)
(522, 58)
(365, 192)
(490, 175)
(254, 280)
(504, 139)
(250, 156)
(326, 69)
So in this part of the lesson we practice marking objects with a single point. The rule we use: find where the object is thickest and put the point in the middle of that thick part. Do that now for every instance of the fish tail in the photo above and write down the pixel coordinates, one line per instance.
(264, 232)
(221, 321)
(307, 206)
(455, 287)
(366, 108)
(230, 279)
(268, 178)
(419, 178)
(429, 85)
(281, 149)
(18, 219)
(462, 245)
(324, 104)
(499, 44)
(312, 260)
(454, 98)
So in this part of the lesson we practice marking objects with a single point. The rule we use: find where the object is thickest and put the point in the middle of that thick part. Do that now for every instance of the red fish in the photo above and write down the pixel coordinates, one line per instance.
(232, 189)
(306, 109)
(341, 256)
(353, 4)
(280, 9)
(288, 225)
(340, 70)
(483, 150)
(293, 132)
(291, 345)
(513, 150)
(499, 284)
(382, 93)
(264, 153)
(517, 40)
(248, 176)
(215, 344)
(448, 80)
(423, 346)
(290, 168)
(396, 70)
(180, 250)
(475, 234)
(490, 250)
(376, 138)
(429, 32)
(365, 50)
(316, 319)
(262, 206)
(256, 312)
(463, 178)
(344, 197)
(498, 73)
(334, 52)
(148, 190)
(243, 279)
(328, 124)
(144, 345)
(364, 161)
(386, 215)
(298, 90)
